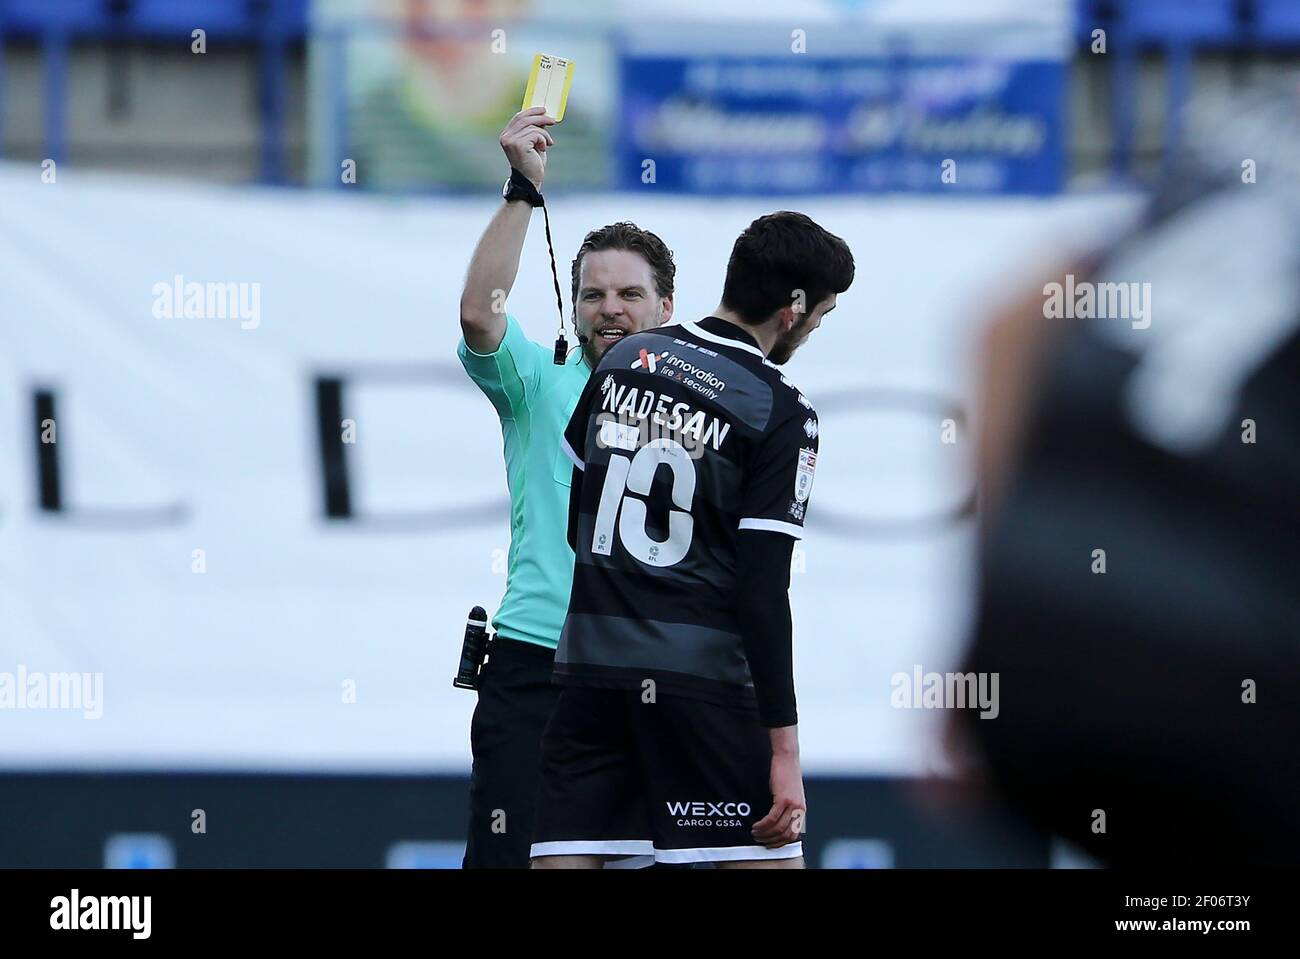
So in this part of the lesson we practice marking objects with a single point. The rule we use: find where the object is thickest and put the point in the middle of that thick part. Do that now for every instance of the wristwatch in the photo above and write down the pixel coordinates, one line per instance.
(519, 187)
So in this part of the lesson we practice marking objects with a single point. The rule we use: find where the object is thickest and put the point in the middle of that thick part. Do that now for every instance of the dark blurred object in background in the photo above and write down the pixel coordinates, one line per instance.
(1171, 442)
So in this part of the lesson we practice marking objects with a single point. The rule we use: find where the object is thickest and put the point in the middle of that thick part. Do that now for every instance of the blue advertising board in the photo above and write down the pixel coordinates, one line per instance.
(720, 124)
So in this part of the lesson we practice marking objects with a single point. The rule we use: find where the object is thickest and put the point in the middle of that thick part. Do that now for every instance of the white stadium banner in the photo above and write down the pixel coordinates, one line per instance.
(224, 623)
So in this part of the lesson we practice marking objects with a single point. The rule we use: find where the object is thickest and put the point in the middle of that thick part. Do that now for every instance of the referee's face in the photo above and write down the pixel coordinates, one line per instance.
(616, 297)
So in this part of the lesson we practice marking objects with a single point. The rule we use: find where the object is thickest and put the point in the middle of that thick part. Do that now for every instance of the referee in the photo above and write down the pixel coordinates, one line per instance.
(622, 282)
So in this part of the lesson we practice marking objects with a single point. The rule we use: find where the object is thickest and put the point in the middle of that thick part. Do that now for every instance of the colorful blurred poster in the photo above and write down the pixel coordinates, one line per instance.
(740, 97)
(416, 93)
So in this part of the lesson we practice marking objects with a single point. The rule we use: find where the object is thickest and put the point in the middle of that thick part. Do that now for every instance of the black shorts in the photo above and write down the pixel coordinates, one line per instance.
(679, 780)
(515, 700)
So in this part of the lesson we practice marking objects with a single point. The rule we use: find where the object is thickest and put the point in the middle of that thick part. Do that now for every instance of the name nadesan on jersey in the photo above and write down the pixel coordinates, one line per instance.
(625, 409)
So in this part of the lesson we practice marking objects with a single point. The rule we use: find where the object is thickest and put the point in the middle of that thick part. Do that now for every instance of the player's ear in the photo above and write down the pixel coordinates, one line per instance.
(665, 309)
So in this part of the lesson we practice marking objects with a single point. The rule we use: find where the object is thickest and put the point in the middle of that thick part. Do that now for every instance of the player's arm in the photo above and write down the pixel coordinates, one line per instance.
(763, 571)
(774, 502)
(495, 263)
(773, 506)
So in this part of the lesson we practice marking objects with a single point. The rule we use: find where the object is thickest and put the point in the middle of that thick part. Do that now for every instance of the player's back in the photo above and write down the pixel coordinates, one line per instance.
(685, 435)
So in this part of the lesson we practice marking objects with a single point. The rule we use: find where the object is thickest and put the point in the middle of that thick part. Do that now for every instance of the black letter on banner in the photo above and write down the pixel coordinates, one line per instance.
(334, 464)
(47, 454)
(49, 483)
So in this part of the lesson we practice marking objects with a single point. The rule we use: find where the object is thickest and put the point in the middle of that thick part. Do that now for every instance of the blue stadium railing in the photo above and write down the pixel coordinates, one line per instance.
(269, 25)
(1175, 28)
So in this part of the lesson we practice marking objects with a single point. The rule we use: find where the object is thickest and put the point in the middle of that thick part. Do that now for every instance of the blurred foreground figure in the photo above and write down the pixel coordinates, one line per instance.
(1140, 592)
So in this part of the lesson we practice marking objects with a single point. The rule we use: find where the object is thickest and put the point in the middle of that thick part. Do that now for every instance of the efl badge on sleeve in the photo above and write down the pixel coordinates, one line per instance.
(803, 476)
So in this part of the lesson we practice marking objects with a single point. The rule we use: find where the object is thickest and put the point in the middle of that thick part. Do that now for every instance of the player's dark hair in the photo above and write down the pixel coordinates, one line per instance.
(779, 254)
(630, 237)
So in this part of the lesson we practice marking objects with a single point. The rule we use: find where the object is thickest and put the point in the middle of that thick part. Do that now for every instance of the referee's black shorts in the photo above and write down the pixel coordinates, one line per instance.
(515, 700)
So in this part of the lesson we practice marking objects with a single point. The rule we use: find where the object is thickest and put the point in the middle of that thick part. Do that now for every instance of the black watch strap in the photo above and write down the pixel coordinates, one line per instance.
(519, 187)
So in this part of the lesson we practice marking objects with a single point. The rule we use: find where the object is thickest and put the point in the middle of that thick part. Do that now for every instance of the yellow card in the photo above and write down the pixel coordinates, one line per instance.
(548, 85)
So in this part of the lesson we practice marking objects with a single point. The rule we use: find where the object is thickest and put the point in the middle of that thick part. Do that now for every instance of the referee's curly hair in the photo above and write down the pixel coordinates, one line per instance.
(630, 237)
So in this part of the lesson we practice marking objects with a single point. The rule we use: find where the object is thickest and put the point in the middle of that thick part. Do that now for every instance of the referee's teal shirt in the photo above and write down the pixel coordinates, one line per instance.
(534, 399)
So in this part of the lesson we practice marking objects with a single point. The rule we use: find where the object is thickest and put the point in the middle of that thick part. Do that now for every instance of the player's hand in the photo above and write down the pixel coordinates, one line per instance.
(525, 142)
(785, 823)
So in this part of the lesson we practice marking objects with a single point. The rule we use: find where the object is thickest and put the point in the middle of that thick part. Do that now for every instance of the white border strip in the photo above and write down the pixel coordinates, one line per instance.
(573, 457)
(696, 330)
(773, 526)
(585, 847)
(729, 853)
(630, 862)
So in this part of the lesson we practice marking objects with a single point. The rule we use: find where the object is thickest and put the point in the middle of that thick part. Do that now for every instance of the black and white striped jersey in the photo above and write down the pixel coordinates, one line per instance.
(684, 436)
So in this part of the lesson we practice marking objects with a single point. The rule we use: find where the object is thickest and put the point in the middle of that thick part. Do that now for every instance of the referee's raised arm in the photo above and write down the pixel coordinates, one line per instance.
(495, 263)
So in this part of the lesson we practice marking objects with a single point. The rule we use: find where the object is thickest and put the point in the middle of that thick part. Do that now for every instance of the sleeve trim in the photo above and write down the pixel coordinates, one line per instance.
(573, 457)
(773, 526)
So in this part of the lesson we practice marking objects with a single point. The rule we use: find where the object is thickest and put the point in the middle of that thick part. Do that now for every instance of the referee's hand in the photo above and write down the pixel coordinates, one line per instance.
(525, 142)
(785, 823)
